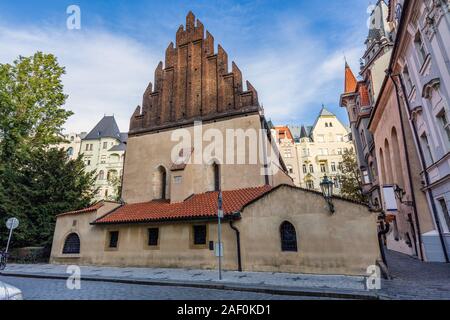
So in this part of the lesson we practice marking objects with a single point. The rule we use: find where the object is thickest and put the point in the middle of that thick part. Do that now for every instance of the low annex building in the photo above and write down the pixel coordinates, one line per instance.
(168, 217)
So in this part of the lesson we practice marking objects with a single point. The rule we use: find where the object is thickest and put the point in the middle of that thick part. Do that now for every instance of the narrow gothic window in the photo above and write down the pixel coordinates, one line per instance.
(216, 177)
(160, 183)
(444, 123)
(288, 237)
(72, 244)
(420, 47)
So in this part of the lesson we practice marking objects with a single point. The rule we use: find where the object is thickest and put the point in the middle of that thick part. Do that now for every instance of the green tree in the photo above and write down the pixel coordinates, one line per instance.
(36, 182)
(350, 178)
(47, 184)
(31, 100)
(116, 183)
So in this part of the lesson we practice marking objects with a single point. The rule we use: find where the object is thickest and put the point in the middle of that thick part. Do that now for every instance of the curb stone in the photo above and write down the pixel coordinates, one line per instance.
(287, 291)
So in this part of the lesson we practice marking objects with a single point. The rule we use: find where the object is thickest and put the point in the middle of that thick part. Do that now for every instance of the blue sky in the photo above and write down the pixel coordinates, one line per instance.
(291, 51)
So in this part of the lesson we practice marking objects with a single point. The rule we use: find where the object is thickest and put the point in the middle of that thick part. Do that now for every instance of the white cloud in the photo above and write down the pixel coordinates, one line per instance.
(105, 73)
(294, 71)
(297, 73)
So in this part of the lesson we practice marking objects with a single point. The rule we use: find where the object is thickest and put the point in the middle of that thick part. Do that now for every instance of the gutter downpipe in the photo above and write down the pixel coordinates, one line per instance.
(238, 244)
(408, 166)
(384, 229)
(424, 167)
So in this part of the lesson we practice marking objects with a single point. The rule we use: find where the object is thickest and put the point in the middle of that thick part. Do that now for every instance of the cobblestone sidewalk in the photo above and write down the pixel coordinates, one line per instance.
(350, 285)
(413, 279)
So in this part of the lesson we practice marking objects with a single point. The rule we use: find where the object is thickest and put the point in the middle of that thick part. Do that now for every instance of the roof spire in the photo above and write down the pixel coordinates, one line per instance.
(350, 80)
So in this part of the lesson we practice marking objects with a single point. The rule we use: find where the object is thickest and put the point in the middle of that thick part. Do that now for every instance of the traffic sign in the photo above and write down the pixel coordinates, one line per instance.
(12, 223)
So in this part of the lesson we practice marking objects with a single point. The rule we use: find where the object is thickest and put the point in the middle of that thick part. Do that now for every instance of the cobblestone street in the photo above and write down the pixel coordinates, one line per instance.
(50, 289)
(413, 279)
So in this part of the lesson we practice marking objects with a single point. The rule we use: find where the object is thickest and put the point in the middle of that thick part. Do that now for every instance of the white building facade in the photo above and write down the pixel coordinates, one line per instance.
(103, 151)
(310, 153)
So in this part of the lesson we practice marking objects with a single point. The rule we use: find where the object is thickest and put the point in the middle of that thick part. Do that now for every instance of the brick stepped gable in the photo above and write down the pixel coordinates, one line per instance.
(195, 84)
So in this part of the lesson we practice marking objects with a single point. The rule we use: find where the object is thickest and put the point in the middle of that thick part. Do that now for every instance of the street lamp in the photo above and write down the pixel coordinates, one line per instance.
(399, 194)
(327, 190)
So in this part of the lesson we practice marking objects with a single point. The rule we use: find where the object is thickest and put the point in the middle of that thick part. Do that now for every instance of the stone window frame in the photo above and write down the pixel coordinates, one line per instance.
(108, 240)
(442, 215)
(285, 247)
(192, 236)
(444, 125)
(147, 245)
(71, 254)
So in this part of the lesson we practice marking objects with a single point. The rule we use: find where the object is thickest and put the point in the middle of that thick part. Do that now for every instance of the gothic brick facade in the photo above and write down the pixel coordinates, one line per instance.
(194, 84)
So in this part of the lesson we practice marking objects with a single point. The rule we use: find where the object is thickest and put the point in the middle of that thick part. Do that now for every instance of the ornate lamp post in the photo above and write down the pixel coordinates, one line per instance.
(327, 190)
(399, 194)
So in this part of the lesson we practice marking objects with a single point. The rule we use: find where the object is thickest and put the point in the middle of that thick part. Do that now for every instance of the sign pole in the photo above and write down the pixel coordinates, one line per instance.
(9, 240)
(11, 224)
(219, 233)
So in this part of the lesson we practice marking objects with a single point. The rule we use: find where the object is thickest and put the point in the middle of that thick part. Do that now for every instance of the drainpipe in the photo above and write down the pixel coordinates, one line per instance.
(408, 166)
(264, 146)
(426, 175)
(238, 245)
(384, 229)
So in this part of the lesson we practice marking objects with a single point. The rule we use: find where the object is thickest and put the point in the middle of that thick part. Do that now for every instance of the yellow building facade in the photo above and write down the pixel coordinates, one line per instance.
(200, 137)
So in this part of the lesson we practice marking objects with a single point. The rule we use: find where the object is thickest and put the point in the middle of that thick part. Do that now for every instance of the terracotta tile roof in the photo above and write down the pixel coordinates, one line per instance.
(94, 207)
(284, 132)
(350, 80)
(197, 206)
(363, 94)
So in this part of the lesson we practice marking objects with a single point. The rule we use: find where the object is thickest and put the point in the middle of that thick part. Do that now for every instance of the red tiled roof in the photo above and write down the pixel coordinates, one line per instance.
(197, 206)
(364, 94)
(284, 132)
(350, 80)
(94, 207)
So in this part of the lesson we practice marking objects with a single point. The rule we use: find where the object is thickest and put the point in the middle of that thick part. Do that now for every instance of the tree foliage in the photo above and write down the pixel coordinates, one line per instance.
(350, 178)
(36, 182)
(31, 100)
(48, 183)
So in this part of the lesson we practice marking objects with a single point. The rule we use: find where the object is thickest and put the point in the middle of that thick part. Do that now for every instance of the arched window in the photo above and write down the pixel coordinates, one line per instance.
(305, 170)
(112, 175)
(72, 244)
(101, 175)
(216, 176)
(363, 138)
(288, 237)
(398, 169)
(160, 183)
(311, 168)
(388, 162)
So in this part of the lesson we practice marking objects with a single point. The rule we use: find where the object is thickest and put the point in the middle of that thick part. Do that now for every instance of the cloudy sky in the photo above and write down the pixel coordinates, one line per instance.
(291, 51)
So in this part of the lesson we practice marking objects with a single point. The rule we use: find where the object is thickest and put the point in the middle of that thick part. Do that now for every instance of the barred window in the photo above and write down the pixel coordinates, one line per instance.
(153, 234)
(72, 244)
(288, 237)
(113, 239)
(200, 235)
